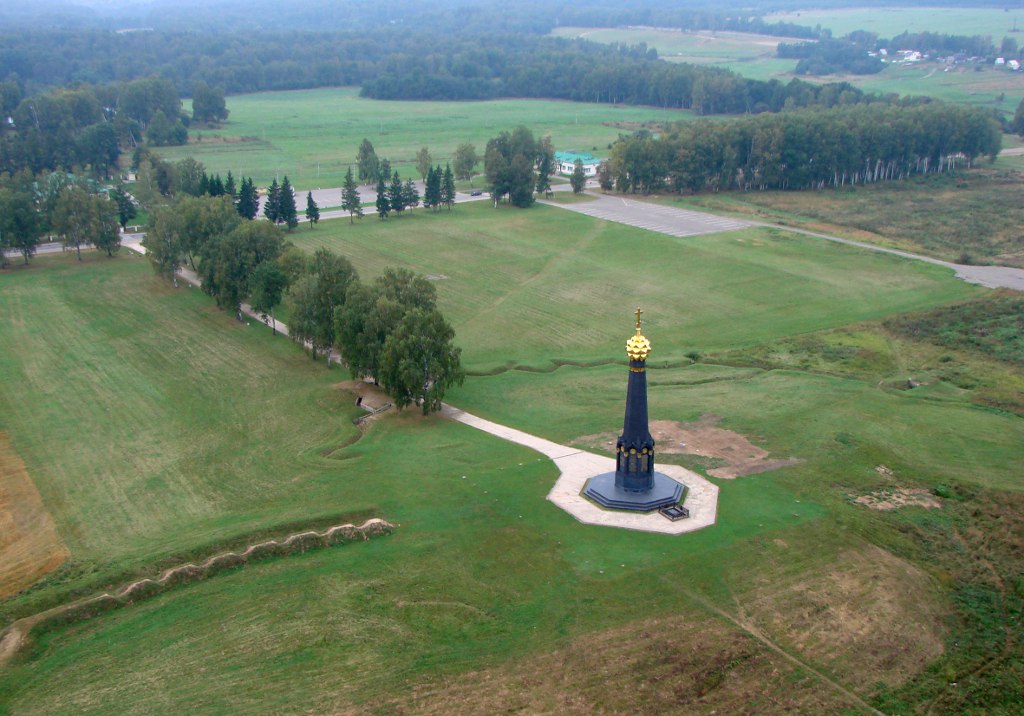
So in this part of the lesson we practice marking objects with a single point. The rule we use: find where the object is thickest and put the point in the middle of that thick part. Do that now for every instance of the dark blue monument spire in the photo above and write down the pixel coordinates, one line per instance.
(634, 450)
(635, 485)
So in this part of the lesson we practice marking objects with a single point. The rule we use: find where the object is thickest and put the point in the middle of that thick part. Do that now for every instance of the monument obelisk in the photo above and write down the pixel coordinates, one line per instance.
(635, 485)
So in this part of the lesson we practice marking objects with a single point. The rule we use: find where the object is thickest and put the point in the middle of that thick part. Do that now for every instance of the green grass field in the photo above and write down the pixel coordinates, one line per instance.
(537, 287)
(157, 426)
(966, 217)
(892, 21)
(313, 135)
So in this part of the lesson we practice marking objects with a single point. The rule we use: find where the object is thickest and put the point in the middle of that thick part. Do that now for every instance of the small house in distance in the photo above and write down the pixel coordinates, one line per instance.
(567, 162)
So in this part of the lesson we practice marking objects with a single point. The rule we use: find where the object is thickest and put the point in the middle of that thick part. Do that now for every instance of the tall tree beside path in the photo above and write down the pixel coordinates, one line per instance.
(267, 289)
(544, 169)
(350, 200)
(286, 211)
(410, 195)
(82, 218)
(312, 210)
(396, 195)
(164, 242)
(230, 263)
(383, 204)
(272, 204)
(248, 204)
(578, 178)
(447, 187)
(19, 224)
(432, 189)
(465, 162)
(316, 297)
(367, 163)
(423, 162)
(509, 165)
(419, 361)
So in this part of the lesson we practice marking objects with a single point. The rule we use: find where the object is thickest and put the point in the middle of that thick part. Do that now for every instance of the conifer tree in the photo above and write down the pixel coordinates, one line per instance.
(272, 204)
(248, 200)
(432, 188)
(350, 200)
(448, 187)
(383, 205)
(312, 210)
(410, 195)
(229, 186)
(286, 211)
(396, 197)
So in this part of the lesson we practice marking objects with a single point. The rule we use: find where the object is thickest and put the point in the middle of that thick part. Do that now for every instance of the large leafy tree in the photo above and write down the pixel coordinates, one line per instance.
(20, 224)
(372, 312)
(208, 103)
(419, 360)
(423, 162)
(367, 162)
(350, 200)
(230, 263)
(83, 218)
(1018, 120)
(267, 287)
(465, 161)
(165, 241)
(509, 165)
(317, 296)
(203, 220)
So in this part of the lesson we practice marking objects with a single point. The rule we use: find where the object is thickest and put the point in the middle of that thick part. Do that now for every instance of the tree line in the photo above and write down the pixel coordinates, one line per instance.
(72, 207)
(87, 126)
(806, 149)
(389, 330)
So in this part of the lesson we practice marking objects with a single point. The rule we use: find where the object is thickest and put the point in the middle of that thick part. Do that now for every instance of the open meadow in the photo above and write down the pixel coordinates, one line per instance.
(753, 56)
(967, 217)
(158, 428)
(313, 135)
(891, 21)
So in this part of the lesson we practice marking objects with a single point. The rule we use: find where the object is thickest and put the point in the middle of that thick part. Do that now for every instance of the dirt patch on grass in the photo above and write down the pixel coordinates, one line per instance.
(29, 544)
(897, 497)
(692, 664)
(705, 439)
(870, 617)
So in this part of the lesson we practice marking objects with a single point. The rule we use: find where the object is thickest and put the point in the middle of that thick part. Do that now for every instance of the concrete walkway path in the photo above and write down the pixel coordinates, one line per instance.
(577, 466)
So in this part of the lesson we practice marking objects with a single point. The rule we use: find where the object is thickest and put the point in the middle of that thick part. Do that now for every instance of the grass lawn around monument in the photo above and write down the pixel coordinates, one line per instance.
(312, 136)
(156, 426)
(538, 287)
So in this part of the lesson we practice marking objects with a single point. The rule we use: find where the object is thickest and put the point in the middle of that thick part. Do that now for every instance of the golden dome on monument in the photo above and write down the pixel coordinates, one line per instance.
(637, 347)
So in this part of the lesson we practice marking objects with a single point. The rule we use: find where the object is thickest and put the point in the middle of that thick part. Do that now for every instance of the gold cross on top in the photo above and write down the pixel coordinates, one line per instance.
(638, 321)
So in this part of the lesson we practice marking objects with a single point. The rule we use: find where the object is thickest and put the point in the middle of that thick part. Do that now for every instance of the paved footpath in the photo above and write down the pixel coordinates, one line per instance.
(577, 466)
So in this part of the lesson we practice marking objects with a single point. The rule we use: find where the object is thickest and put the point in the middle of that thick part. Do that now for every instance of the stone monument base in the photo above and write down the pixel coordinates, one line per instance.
(602, 490)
